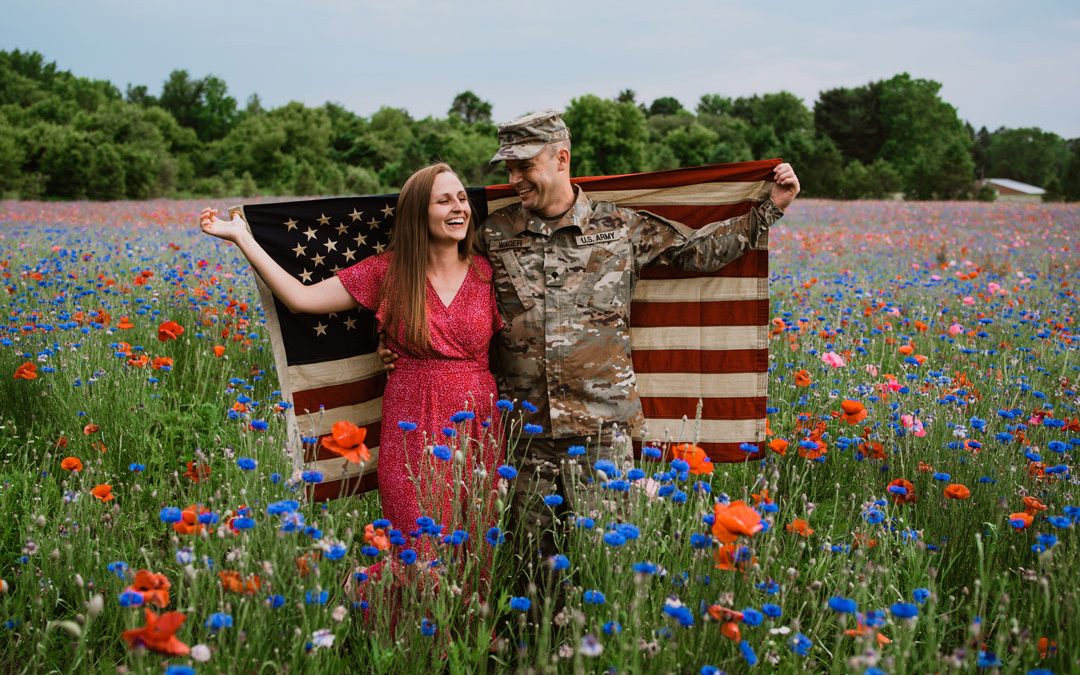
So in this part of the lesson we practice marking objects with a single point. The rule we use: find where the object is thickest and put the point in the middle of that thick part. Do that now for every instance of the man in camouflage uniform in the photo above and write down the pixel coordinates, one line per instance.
(565, 267)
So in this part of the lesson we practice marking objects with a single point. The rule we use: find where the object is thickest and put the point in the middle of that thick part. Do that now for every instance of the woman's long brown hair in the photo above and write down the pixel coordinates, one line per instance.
(404, 291)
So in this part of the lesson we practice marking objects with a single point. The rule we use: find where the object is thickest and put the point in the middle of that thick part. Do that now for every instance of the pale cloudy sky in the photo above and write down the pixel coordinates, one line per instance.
(1000, 63)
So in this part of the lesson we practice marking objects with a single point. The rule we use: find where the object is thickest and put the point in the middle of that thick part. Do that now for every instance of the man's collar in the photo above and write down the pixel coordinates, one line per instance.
(576, 215)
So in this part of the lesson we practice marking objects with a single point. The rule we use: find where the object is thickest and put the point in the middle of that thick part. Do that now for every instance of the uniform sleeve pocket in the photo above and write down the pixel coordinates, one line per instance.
(604, 276)
(510, 290)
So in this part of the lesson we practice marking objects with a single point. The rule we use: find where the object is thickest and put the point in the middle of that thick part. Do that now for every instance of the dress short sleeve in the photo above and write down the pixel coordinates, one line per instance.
(364, 280)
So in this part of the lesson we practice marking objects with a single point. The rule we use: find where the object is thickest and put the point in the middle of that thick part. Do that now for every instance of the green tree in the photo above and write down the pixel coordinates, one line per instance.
(1070, 182)
(1030, 155)
(203, 105)
(470, 108)
(666, 105)
(609, 137)
(851, 119)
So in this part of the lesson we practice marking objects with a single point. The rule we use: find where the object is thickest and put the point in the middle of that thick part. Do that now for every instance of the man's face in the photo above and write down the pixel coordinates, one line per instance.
(537, 181)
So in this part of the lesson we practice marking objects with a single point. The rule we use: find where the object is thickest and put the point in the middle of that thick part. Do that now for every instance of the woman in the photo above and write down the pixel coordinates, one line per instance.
(434, 300)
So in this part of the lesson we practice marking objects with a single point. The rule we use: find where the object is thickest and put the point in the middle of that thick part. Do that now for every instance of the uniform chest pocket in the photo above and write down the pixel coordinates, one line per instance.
(605, 279)
(511, 291)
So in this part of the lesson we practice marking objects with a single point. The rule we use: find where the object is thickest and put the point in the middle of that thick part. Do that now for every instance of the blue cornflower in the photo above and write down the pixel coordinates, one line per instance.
(462, 416)
(533, 429)
(614, 539)
(208, 518)
(800, 644)
(407, 426)
(118, 568)
(131, 599)
(494, 536)
(752, 617)
(284, 506)
(275, 601)
(218, 620)
(259, 425)
(612, 628)
(987, 660)
(504, 405)
(427, 628)
(529, 407)
(246, 463)
(336, 552)
(170, 514)
(312, 476)
(507, 472)
(559, 562)
(585, 522)
(680, 613)
(748, 653)
(553, 500)
(699, 540)
(520, 604)
(442, 452)
(242, 523)
(920, 595)
(843, 605)
(680, 465)
(873, 516)
(942, 476)
(635, 474)
(136, 467)
(904, 610)
(576, 450)
(645, 568)
(408, 556)
(772, 611)
(316, 597)
(370, 551)
(456, 538)
(593, 597)
(179, 670)
(651, 452)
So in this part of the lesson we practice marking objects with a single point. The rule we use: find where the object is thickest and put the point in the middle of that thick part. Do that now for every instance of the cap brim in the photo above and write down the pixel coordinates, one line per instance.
(518, 151)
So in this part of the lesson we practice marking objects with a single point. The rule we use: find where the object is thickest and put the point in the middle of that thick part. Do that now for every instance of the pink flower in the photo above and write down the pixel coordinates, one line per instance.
(968, 300)
(833, 359)
(993, 287)
(872, 370)
(955, 329)
(914, 424)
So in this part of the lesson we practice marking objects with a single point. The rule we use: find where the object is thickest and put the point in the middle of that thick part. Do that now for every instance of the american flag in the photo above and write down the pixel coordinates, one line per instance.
(695, 337)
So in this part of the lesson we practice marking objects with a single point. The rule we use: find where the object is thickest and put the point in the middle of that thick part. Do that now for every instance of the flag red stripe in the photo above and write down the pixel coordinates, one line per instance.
(372, 439)
(322, 492)
(732, 408)
(730, 173)
(337, 395)
(697, 215)
(717, 452)
(718, 313)
(700, 361)
(753, 263)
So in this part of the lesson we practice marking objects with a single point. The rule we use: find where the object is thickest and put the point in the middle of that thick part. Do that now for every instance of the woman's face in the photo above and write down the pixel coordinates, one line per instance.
(448, 210)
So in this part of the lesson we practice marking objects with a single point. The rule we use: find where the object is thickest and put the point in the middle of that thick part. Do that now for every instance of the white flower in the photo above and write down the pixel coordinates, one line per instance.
(200, 653)
(339, 613)
(590, 646)
(322, 638)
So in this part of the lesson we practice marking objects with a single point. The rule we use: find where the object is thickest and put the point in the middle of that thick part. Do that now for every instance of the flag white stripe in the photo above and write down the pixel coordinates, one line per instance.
(698, 337)
(360, 414)
(715, 289)
(701, 194)
(693, 385)
(327, 373)
(711, 431)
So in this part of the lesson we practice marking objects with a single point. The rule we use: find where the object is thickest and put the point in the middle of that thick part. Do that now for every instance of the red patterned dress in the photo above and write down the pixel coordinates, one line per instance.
(427, 391)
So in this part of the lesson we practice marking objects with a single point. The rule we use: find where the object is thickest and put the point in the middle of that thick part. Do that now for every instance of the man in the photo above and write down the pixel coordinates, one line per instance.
(564, 273)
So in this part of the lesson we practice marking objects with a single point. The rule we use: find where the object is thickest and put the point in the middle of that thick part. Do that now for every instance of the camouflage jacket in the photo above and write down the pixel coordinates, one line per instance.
(564, 289)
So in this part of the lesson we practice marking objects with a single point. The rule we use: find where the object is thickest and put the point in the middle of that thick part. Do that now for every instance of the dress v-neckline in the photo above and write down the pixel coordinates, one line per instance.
(448, 305)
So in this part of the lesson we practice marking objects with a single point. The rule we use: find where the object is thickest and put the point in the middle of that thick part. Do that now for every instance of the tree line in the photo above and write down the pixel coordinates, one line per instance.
(69, 137)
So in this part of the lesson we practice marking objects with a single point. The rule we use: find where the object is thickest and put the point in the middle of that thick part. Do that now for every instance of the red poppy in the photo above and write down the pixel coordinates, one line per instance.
(153, 587)
(816, 451)
(231, 581)
(376, 537)
(1022, 517)
(1033, 505)
(779, 446)
(925, 468)
(197, 472)
(189, 520)
(139, 361)
(347, 439)
(854, 412)
(90, 429)
(309, 562)
(219, 351)
(762, 497)
(957, 491)
(103, 492)
(802, 378)
(799, 527)
(726, 559)
(906, 350)
(159, 634)
(862, 629)
(162, 362)
(735, 519)
(731, 631)
(694, 456)
(125, 324)
(27, 371)
(906, 495)
(71, 464)
(169, 330)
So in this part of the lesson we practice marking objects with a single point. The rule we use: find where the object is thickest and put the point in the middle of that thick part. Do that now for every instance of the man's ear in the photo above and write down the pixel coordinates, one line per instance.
(563, 158)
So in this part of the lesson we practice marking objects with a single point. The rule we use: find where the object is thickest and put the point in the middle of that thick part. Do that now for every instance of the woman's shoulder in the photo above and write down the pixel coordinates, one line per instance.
(482, 266)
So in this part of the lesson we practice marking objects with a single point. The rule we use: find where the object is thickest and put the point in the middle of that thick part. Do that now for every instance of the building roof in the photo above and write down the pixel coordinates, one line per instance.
(1015, 185)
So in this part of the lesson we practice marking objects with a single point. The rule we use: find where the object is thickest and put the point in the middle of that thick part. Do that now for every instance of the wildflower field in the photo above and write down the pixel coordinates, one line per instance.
(915, 511)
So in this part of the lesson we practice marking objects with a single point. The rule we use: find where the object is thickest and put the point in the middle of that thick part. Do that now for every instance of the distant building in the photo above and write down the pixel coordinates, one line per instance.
(1014, 190)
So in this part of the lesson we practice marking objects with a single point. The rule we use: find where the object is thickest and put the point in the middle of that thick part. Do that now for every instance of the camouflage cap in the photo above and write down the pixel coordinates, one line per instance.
(526, 136)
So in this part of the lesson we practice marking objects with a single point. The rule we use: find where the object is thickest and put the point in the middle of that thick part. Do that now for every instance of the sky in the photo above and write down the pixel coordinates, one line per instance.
(1000, 63)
